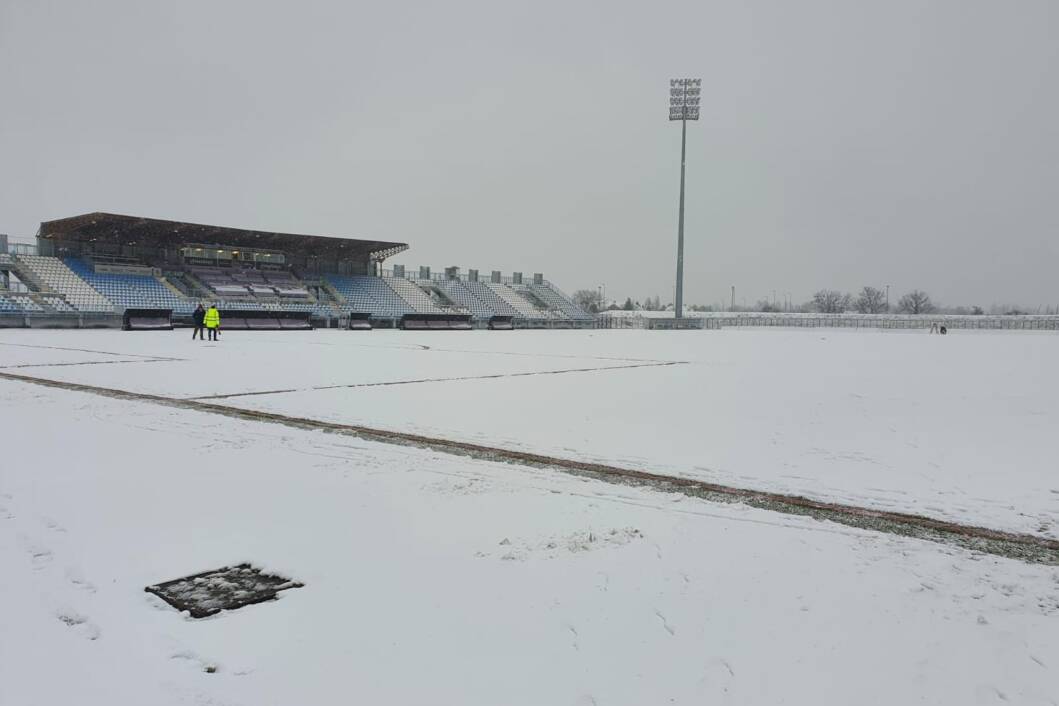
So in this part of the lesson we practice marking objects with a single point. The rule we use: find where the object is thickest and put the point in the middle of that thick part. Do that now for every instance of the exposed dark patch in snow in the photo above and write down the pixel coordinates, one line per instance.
(228, 588)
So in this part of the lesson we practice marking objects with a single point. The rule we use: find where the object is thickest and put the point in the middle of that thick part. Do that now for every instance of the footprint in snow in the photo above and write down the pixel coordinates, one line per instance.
(52, 525)
(80, 624)
(39, 554)
(718, 674)
(204, 665)
(665, 623)
(78, 580)
(573, 632)
(987, 692)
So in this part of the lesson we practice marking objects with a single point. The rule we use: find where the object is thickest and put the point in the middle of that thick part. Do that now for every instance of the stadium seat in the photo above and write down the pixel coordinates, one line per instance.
(130, 291)
(54, 274)
(25, 303)
(558, 301)
(460, 295)
(499, 306)
(413, 295)
(523, 307)
(367, 294)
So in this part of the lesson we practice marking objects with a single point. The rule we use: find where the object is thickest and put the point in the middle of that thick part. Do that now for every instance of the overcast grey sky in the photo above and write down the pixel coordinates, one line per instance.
(842, 143)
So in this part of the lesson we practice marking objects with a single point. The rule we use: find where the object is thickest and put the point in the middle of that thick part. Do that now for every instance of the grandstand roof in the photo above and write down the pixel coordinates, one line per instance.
(116, 229)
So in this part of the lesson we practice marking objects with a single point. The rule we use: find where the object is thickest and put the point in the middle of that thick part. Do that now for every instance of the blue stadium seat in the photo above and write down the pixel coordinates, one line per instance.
(130, 291)
(369, 295)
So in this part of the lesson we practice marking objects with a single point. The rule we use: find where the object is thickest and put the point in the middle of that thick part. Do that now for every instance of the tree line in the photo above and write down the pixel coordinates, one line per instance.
(869, 300)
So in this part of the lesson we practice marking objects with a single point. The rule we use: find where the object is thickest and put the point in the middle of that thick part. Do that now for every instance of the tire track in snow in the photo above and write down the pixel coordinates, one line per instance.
(1023, 547)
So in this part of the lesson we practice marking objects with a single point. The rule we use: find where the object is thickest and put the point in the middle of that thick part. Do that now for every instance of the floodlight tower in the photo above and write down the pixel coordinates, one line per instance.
(684, 96)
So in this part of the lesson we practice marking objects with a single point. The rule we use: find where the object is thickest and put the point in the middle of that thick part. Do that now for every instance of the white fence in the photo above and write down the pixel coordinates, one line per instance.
(888, 321)
(714, 320)
(655, 323)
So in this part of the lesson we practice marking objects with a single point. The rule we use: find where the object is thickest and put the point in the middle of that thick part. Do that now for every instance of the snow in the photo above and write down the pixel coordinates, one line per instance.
(957, 427)
(431, 578)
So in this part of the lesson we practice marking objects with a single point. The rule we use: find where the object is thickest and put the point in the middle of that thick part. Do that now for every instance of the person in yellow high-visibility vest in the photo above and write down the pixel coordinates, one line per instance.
(212, 321)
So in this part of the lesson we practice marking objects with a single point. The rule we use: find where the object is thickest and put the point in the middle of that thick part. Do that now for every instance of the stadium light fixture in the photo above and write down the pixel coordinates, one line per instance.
(684, 94)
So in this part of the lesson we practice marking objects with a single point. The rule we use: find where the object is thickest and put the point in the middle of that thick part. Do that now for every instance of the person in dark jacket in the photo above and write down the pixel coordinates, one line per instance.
(197, 318)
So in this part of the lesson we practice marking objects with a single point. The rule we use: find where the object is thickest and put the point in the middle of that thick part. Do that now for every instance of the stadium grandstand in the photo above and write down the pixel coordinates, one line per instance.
(94, 268)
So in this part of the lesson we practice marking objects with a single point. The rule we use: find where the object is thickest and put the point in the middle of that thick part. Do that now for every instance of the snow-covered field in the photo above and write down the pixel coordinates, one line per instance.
(432, 578)
(960, 427)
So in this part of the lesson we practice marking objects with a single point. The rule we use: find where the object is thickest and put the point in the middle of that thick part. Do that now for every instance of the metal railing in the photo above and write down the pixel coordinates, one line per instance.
(655, 323)
(413, 274)
(23, 249)
(714, 320)
(890, 321)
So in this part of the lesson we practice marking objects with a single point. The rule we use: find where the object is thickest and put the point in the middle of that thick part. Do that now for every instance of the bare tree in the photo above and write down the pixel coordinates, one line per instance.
(831, 301)
(916, 302)
(589, 299)
(871, 301)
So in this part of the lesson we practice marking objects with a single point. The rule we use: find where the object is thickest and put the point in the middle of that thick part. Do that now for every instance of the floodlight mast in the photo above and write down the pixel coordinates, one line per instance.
(684, 94)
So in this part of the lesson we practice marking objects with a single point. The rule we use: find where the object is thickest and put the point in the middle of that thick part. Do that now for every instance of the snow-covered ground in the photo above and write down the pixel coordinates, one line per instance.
(438, 579)
(959, 427)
